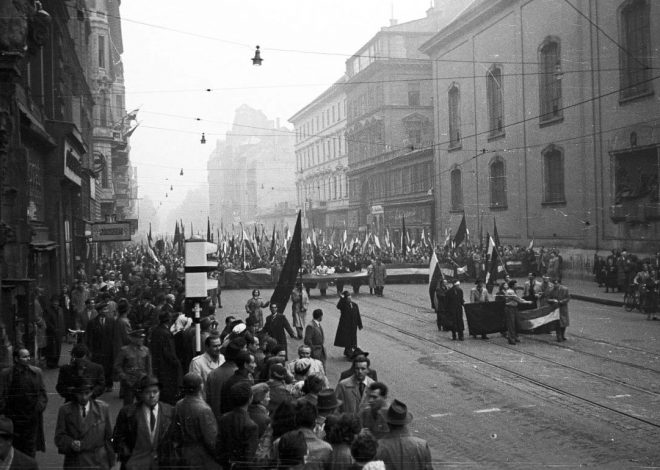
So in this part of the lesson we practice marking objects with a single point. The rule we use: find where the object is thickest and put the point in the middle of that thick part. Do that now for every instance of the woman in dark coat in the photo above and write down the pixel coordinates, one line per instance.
(349, 322)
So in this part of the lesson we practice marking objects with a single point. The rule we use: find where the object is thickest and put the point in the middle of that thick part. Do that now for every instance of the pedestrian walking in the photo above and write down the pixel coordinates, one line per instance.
(253, 308)
(315, 337)
(454, 300)
(80, 367)
(83, 431)
(399, 449)
(142, 436)
(299, 304)
(99, 338)
(132, 362)
(278, 326)
(511, 311)
(195, 427)
(23, 399)
(164, 362)
(559, 296)
(10, 457)
(351, 391)
(380, 274)
(55, 319)
(349, 322)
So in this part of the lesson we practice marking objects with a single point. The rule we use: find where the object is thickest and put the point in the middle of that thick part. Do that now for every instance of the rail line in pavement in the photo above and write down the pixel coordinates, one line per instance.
(519, 375)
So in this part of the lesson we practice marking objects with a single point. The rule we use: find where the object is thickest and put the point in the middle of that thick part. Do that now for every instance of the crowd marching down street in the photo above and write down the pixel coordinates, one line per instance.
(242, 402)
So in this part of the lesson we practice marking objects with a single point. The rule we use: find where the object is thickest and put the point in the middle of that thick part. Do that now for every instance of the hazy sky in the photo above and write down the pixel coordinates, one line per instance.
(175, 50)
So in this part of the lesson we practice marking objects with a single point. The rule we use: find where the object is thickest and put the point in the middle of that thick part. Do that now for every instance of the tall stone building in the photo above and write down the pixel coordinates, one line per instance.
(321, 159)
(251, 173)
(389, 126)
(547, 120)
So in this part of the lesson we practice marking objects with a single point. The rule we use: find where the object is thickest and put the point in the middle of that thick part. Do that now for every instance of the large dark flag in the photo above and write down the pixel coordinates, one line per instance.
(461, 233)
(435, 274)
(272, 245)
(496, 236)
(290, 270)
(485, 317)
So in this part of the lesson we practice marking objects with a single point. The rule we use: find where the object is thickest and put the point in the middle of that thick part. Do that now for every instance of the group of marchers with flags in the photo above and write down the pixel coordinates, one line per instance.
(538, 310)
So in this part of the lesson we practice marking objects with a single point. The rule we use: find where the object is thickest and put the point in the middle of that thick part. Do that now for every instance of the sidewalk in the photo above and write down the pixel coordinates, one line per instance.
(590, 292)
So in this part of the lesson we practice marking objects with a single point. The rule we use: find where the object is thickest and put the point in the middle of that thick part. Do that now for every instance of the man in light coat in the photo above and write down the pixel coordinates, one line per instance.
(352, 391)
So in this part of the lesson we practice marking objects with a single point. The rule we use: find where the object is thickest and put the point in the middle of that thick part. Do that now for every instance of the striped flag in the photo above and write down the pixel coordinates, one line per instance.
(435, 274)
(532, 319)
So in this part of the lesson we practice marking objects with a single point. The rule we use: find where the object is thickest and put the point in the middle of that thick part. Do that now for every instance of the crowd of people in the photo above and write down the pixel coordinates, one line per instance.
(630, 274)
(240, 402)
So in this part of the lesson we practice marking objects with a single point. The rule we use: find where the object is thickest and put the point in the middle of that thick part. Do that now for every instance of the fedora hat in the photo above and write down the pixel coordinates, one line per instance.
(6, 426)
(398, 414)
(139, 333)
(327, 400)
(81, 385)
(147, 381)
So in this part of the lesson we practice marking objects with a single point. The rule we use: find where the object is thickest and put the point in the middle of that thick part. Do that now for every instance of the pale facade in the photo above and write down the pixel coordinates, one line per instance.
(321, 159)
(547, 120)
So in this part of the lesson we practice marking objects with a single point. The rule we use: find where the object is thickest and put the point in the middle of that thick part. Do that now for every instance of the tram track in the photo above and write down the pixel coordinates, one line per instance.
(516, 374)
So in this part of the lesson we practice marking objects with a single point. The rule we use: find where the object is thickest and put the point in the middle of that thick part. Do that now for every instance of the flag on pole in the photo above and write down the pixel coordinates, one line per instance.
(496, 236)
(272, 245)
(461, 233)
(404, 246)
(377, 241)
(531, 245)
(435, 274)
(290, 270)
(208, 229)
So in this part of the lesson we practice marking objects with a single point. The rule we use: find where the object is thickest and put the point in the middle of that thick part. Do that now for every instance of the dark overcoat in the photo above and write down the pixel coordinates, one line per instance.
(349, 322)
(454, 300)
(164, 363)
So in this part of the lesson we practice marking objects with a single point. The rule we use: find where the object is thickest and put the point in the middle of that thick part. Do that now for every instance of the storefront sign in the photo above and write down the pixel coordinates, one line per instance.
(111, 232)
(72, 165)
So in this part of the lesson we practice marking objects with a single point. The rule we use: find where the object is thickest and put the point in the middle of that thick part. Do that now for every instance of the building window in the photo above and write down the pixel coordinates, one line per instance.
(456, 190)
(635, 53)
(497, 183)
(553, 175)
(413, 93)
(101, 52)
(453, 100)
(495, 101)
(550, 81)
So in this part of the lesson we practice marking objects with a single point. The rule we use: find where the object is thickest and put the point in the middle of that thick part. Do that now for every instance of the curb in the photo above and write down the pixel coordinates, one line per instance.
(597, 300)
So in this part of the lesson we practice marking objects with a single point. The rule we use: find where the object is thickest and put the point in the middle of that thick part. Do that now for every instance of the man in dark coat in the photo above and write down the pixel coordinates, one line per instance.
(164, 363)
(55, 327)
(279, 326)
(19, 460)
(23, 399)
(454, 300)
(237, 434)
(314, 336)
(80, 367)
(143, 434)
(349, 322)
(99, 338)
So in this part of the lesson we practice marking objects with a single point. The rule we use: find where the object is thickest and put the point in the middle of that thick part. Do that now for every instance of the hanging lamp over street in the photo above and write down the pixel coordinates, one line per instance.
(203, 139)
(257, 60)
(181, 174)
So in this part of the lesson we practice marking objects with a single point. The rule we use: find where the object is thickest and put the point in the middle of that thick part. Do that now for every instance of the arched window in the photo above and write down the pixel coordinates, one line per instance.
(456, 190)
(495, 101)
(550, 80)
(453, 101)
(635, 53)
(553, 175)
(497, 183)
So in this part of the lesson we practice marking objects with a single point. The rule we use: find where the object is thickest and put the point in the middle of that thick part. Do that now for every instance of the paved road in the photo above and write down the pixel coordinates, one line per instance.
(593, 400)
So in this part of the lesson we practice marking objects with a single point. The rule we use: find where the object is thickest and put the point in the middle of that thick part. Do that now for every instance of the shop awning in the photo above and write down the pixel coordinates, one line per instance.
(45, 245)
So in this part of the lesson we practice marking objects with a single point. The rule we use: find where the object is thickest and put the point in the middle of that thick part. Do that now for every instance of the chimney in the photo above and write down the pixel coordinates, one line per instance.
(393, 22)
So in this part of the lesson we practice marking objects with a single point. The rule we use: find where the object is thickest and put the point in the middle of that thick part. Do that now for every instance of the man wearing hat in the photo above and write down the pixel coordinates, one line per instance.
(80, 366)
(559, 297)
(11, 458)
(195, 426)
(143, 433)
(326, 404)
(164, 361)
(83, 432)
(132, 362)
(454, 299)
(258, 409)
(352, 391)
(23, 399)
(398, 448)
(349, 322)
(99, 338)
